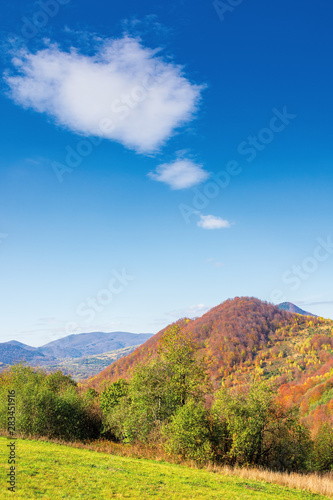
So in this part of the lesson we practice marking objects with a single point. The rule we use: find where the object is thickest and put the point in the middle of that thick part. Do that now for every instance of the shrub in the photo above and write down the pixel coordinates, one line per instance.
(48, 405)
(258, 431)
(157, 389)
(323, 449)
(112, 395)
(147, 403)
(188, 433)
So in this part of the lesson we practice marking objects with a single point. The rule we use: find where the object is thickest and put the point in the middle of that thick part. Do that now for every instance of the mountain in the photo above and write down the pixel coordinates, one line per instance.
(288, 306)
(72, 346)
(230, 333)
(88, 344)
(19, 344)
(245, 339)
(13, 352)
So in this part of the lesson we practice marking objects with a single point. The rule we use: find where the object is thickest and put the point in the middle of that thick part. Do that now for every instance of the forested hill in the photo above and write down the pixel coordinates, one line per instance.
(245, 339)
(231, 334)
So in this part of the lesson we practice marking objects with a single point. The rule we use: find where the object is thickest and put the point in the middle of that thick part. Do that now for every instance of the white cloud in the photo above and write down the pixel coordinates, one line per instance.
(180, 174)
(212, 222)
(191, 311)
(215, 263)
(124, 92)
(197, 309)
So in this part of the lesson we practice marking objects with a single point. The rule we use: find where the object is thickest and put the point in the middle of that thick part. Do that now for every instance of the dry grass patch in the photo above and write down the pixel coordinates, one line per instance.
(314, 483)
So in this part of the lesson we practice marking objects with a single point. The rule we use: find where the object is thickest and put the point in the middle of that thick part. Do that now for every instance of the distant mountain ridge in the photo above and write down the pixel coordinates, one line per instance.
(72, 346)
(290, 307)
(10, 353)
(20, 344)
(88, 344)
(88, 366)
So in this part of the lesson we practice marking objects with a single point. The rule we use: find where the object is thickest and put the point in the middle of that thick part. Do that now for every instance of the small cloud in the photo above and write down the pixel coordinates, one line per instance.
(215, 263)
(197, 309)
(191, 311)
(323, 302)
(123, 91)
(33, 161)
(181, 174)
(212, 222)
(48, 321)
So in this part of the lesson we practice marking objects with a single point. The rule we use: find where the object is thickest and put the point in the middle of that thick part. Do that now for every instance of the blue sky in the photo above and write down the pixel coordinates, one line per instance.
(157, 160)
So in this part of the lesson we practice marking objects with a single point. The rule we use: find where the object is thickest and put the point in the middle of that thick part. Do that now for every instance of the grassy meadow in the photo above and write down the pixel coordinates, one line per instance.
(55, 471)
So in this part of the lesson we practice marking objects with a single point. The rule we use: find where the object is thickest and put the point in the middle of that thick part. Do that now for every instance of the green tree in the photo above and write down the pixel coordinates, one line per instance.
(57, 382)
(188, 434)
(112, 395)
(323, 449)
(188, 376)
(146, 405)
(259, 431)
(48, 405)
(159, 387)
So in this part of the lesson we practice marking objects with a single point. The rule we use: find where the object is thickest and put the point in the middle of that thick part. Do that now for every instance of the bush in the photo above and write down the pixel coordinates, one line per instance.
(156, 390)
(323, 449)
(256, 430)
(48, 405)
(290, 446)
(147, 403)
(188, 434)
(112, 395)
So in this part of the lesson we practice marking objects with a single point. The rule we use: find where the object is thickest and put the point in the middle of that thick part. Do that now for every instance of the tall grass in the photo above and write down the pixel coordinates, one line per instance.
(314, 483)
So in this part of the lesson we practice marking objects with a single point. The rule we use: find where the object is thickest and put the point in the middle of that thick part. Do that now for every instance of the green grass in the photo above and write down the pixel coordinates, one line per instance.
(53, 471)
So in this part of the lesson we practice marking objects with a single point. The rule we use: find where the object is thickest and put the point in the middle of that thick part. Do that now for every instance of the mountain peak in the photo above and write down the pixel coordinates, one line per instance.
(230, 334)
(290, 307)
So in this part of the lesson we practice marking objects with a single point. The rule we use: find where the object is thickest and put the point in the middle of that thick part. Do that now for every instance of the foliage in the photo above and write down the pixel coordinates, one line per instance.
(187, 373)
(188, 433)
(245, 339)
(48, 405)
(111, 396)
(165, 402)
(323, 449)
(158, 388)
(57, 382)
(146, 403)
(259, 431)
